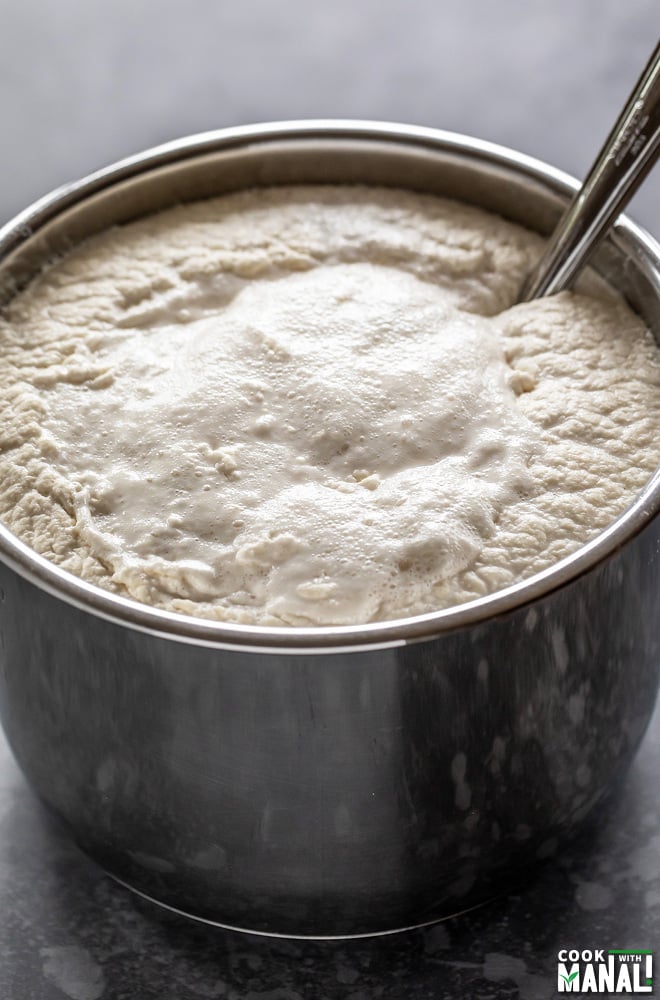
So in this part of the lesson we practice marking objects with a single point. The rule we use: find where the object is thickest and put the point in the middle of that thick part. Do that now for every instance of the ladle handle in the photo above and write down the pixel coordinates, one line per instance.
(630, 151)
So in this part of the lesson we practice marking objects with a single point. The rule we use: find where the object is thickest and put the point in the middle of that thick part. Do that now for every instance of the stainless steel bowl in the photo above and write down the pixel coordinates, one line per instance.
(335, 781)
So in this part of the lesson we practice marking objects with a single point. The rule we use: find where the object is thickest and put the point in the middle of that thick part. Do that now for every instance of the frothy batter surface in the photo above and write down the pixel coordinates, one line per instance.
(312, 406)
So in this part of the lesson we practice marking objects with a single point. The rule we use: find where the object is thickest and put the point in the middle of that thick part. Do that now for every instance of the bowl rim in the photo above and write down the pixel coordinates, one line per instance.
(127, 612)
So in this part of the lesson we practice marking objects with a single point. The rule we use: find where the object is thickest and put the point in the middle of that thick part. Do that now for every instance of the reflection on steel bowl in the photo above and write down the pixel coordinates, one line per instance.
(339, 780)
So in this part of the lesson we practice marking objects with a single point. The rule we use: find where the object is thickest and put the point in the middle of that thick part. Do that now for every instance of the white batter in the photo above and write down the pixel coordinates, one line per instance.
(300, 406)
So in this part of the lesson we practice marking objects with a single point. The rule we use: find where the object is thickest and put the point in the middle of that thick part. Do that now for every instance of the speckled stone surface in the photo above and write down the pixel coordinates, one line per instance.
(83, 84)
(68, 931)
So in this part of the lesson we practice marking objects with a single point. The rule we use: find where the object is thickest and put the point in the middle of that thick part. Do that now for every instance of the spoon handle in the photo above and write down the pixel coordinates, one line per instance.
(630, 151)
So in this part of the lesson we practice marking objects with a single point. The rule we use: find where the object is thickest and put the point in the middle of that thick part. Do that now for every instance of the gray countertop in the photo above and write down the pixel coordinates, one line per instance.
(67, 931)
(83, 84)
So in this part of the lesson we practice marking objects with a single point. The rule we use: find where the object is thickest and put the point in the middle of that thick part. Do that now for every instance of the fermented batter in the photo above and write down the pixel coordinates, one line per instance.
(315, 406)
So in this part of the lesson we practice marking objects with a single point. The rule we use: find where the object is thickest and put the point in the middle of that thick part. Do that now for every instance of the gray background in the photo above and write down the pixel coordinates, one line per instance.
(83, 83)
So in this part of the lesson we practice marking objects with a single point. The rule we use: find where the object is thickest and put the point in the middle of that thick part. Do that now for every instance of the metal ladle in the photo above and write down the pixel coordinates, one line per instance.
(631, 149)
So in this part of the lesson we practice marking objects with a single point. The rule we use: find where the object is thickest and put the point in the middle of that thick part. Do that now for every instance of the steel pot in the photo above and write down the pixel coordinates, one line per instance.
(334, 781)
